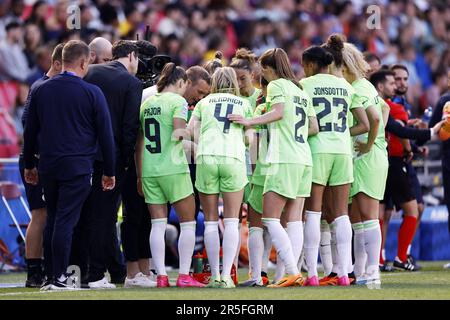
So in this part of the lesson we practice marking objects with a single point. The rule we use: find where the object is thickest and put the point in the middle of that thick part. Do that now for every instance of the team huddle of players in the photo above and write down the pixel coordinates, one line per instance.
(308, 157)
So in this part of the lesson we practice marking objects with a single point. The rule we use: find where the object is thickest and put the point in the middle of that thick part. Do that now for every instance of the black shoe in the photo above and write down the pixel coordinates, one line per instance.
(118, 280)
(352, 278)
(386, 267)
(404, 265)
(34, 281)
(413, 261)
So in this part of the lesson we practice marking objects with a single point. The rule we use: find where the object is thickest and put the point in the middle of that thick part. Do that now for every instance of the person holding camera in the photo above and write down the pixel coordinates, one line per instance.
(123, 92)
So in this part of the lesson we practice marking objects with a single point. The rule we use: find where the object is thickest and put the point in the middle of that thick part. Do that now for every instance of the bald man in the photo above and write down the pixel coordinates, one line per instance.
(101, 51)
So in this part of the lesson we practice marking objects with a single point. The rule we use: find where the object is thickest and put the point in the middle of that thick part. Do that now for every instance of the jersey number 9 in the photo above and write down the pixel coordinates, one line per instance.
(154, 138)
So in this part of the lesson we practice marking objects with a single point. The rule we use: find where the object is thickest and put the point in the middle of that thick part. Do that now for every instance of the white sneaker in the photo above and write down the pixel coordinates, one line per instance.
(361, 279)
(152, 276)
(447, 266)
(139, 281)
(101, 284)
(373, 280)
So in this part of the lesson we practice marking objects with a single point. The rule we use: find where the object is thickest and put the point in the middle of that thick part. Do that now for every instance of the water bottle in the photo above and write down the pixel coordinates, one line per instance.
(198, 263)
(427, 114)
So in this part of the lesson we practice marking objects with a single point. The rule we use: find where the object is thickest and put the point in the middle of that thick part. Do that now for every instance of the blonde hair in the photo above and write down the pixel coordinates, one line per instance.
(224, 80)
(278, 60)
(354, 61)
(243, 59)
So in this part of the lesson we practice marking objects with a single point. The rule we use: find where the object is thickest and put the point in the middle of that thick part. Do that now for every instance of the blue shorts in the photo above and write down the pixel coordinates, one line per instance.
(35, 194)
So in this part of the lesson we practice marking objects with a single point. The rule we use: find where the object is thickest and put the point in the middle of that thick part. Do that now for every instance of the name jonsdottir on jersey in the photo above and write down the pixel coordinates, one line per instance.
(330, 91)
(226, 99)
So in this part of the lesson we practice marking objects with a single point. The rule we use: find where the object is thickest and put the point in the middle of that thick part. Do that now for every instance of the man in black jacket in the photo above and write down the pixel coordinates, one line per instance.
(436, 118)
(123, 93)
(71, 118)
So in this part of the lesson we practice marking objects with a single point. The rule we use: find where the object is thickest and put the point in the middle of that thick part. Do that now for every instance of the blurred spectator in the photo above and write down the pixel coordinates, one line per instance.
(43, 63)
(32, 40)
(13, 62)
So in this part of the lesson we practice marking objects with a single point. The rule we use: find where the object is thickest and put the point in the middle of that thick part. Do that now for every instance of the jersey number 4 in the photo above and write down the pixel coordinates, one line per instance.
(155, 138)
(328, 126)
(225, 120)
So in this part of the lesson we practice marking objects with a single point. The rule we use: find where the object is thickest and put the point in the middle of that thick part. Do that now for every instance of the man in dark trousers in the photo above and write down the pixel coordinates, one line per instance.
(35, 196)
(72, 121)
(123, 92)
(436, 117)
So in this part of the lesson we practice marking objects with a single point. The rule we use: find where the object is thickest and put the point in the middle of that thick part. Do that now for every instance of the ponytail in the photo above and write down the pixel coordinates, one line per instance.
(170, 75)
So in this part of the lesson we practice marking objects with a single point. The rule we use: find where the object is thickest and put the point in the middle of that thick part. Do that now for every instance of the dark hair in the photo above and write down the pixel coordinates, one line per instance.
(441, 72)
(170, 75)
(57, 53)
(399, 66)
(369, 57)
(12, 25)
(380, 76)
(335, 45)
(74, 50)
(123, 48)
(197, 73)
(278, 60)
(263, 82)
(317, 55)
(214, 64)
(243, 59)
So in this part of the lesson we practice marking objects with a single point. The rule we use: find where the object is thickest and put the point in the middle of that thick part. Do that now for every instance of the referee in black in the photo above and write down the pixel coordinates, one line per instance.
(72, 121)
(123, 92)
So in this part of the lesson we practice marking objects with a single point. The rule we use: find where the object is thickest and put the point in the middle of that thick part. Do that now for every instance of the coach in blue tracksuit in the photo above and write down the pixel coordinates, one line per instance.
(72, 120)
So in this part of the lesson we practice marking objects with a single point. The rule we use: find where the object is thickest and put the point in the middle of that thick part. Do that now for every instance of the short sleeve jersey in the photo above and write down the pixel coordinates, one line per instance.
(252, 99)
(162, 154)
(332, 99)
(366, 96)
(289, 136)
(218, 135)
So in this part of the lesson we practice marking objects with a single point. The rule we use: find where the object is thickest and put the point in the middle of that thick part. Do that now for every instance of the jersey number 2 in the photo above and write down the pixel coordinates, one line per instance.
(155, 138)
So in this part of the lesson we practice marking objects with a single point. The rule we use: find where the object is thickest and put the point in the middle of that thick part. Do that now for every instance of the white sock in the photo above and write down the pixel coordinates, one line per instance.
(186, 244)
(372, 236)
(344, 243)
(295, 233)
(408, 251)
(279, 269)
(334, 256)
(158, 245)
(267, 250)
(359, 249)
(229, 244)
(255, 251)
(238, 251)
(312, 241)
(212, 245)
(282, 244)
(325, 247)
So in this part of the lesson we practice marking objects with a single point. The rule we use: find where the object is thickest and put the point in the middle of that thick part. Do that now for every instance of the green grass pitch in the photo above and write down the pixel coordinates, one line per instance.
(432, 282)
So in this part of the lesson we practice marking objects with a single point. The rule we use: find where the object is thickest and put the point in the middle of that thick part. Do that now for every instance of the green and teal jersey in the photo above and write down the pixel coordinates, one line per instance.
(289, 136)
(218, 135)
(259, 175)
(366, 96)
(332, 99)
(162, 154)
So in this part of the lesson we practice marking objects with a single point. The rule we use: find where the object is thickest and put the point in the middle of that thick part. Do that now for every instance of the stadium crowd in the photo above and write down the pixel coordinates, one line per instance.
(415, 33)
(412, 39)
